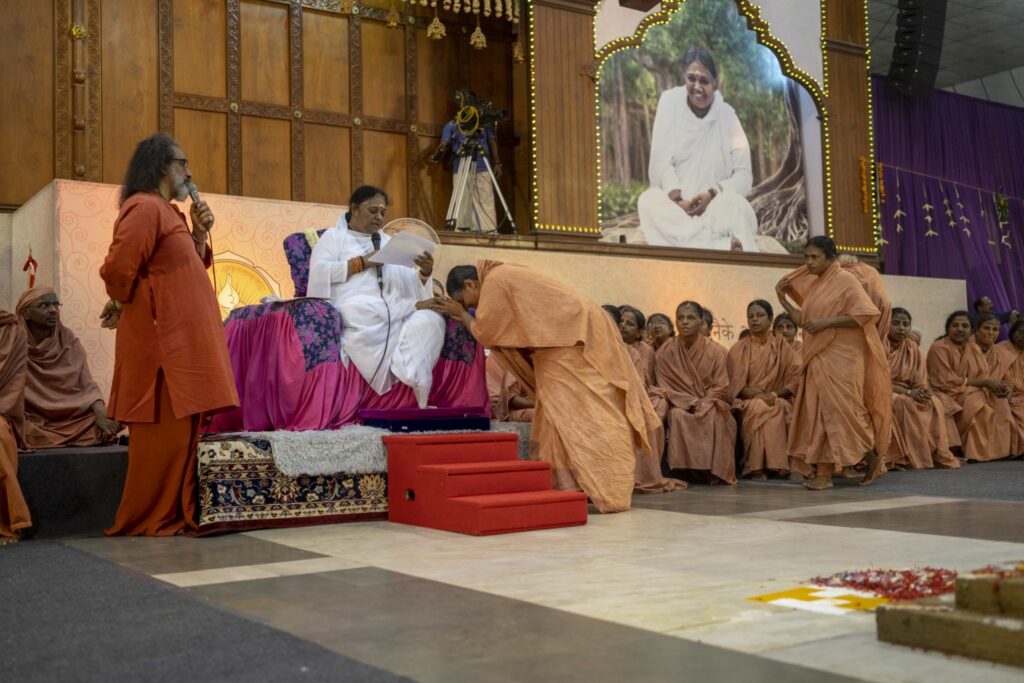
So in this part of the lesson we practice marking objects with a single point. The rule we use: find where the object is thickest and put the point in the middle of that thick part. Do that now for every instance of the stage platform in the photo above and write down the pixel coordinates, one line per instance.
(74, 492)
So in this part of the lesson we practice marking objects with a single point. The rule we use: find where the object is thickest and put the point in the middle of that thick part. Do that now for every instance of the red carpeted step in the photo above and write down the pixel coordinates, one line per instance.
(449, 480)
(507, 512)
(407, 453)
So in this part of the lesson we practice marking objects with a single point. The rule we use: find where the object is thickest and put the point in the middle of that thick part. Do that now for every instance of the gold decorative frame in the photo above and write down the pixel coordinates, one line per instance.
(755, 22)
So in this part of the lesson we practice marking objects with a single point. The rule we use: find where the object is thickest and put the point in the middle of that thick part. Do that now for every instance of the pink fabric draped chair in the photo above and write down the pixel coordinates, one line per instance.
(289, 374)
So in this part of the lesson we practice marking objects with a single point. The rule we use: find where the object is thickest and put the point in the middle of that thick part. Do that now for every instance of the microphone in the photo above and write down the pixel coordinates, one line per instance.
(193, 192)
(375, 239)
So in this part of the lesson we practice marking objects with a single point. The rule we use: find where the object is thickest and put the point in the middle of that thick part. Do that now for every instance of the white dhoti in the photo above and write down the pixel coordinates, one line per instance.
(477, 209)
(728, 216)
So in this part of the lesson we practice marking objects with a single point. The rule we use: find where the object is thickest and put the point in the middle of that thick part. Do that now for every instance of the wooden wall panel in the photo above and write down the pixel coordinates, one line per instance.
(200, 51)
(437, 77)
(566, 126)
(490, 72)
(383, 71)
(204, 139)
(266, 158)
(130, 86)
(26, 72)
(435, 182)
(328, 164)
(385, 164)
(264, 52)
(326, 64)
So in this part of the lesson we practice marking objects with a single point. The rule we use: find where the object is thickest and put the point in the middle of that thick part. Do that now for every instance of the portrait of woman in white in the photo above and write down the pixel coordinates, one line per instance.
(700, 168)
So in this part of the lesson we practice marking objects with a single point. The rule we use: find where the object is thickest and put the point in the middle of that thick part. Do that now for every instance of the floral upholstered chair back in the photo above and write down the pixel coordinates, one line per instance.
(298, 248)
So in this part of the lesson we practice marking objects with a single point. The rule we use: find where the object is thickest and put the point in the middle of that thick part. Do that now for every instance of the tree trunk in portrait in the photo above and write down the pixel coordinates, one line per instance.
(780, 201)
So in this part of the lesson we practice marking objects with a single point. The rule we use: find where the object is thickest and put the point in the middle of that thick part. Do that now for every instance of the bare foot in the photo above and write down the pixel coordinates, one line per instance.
(850, 473)
(818, 484)
(9, 540)
(876, 468)
(795, 476)
(758, 476)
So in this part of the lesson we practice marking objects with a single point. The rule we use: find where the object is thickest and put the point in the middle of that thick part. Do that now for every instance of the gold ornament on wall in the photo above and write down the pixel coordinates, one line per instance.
(518, 56)
(436, 29)
(478, 41)
(393, 17)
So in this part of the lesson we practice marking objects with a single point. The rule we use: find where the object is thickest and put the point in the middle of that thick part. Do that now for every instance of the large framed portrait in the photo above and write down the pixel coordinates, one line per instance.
(709, 138)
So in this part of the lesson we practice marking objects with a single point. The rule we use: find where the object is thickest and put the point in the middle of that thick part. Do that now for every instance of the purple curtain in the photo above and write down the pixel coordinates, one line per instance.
(952, 183)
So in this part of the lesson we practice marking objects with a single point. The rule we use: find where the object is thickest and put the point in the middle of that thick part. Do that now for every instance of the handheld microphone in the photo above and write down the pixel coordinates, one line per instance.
(375, 239)
(193, 192)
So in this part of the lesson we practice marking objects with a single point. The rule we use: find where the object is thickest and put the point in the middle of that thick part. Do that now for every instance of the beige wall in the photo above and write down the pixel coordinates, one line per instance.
(659, 285)
(5, 260)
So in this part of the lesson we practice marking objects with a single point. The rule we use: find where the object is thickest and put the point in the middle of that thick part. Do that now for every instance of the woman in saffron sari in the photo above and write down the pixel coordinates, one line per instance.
(764, 372)
(960, 377)
(692, 379)
(999, 359)
(1015, 381)
(919, 436)
(845, 383)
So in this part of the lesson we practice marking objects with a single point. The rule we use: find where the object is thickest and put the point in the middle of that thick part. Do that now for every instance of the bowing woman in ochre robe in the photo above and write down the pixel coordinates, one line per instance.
(764, 373)
(843, 409)
(700, 170)
(920, 439)
(592, 411)
(960, 377)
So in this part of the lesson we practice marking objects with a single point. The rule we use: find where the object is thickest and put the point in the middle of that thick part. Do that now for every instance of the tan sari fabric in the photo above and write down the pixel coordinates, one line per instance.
(644, 361)
(502, 387)
(695, 387)
(14, 514)
(592, 412)
(1000, 359)
(919, 436)
(969, 413)
(843, 408)
(771, 366)
(648, 476)
(60, 391)
(1015, 378)
(869, 278)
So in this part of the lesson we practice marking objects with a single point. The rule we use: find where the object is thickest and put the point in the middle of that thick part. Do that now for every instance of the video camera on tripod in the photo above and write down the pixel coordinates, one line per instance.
(473, 117)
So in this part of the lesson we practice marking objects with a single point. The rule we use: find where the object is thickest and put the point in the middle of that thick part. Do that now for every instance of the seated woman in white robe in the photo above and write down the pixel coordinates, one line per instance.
(383, 333)
(700, 169)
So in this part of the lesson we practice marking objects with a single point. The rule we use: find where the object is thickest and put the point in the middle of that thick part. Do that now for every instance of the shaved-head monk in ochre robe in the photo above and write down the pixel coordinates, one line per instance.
(920, 439)
(591, 408)
(14, 515)
(960, 376)
(764, 373)
(691, 376)
(171, 360)
(63, 405)
(843, 409)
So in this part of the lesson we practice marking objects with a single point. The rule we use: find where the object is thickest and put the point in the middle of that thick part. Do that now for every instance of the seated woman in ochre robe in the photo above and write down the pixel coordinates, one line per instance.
(690, 372)
(960, 377)
(787, 329)
(63, 405)
(659, 330)
(632, 324)
(1014, 379)
(764, 372)
(999, 359)
(919, 436)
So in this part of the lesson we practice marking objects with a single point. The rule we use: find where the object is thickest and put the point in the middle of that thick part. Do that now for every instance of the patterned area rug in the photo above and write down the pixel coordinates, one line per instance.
(240, 489)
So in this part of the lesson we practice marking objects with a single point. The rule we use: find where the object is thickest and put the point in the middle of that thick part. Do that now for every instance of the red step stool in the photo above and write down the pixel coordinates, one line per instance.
(474, 484)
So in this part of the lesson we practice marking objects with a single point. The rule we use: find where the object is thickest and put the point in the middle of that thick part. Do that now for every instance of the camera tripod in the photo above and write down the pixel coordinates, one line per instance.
(468, 157)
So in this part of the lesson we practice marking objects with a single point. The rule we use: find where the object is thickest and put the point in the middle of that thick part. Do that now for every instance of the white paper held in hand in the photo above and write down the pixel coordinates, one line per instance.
(402, 250)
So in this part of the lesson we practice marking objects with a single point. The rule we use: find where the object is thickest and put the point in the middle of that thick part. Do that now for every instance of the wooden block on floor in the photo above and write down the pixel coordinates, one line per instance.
(932, 625)
(978, 593)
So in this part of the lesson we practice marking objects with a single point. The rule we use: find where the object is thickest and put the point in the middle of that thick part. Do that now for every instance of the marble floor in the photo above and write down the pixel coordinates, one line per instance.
(661, 593)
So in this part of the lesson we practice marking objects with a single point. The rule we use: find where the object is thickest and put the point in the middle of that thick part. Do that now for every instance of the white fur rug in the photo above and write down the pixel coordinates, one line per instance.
(356, 449)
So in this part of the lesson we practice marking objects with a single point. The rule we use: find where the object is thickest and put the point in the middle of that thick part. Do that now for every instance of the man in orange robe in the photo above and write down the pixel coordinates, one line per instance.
(171, 362)
(591, 408)
(63, 405)
(14, 515)
(919, 436)
(691, 377)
